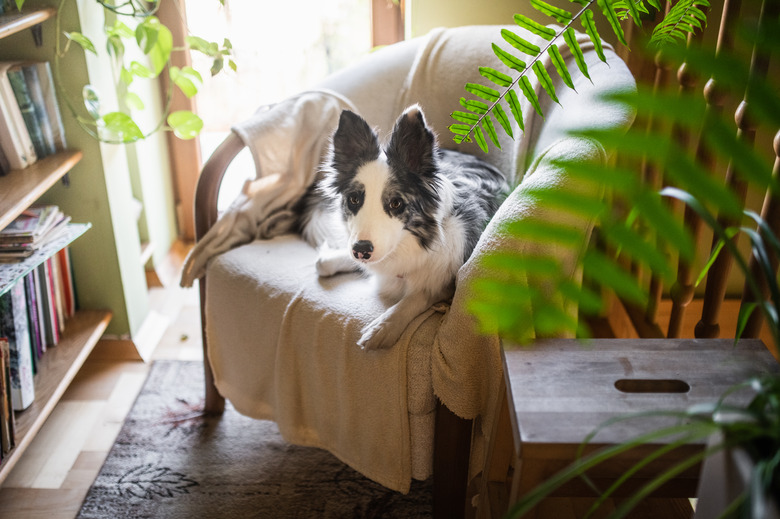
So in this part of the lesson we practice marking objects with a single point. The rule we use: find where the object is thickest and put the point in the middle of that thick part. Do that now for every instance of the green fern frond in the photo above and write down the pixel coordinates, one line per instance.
(684, 18)
(524, 66)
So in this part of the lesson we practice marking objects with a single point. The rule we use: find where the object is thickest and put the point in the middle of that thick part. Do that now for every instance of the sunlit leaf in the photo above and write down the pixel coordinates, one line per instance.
(480, 139)
(473, 105)
(532, 26)
(503, 120)
(589, 24)
(134, 101)
(156, 41)
(185, 124)
(119, 127)
(560, 66)
(508, 59)
(91, 101)
(465, 117)
(528, 92)
(491, 131)
(187, 79)
(545, 80)
(499, 78)
(84, 42)
(614, 22)
(487, 93)
(140, 70)
(514, 107)
(519, 43)
(560, 15)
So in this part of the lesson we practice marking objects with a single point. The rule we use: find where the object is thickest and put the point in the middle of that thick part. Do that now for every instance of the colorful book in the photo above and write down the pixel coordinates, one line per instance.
(15, 327)
(14, 136)
(5, 167)
(66, 271)
(7, 419)
(36, 277)
(49, 319)
(49, 93)
(31, 225)
(32, 316)
(27, 107)
(33, 81)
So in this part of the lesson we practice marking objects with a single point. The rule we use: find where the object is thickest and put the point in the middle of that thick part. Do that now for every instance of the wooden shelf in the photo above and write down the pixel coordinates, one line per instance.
(14, 22)
(56, 369)
(21, 187)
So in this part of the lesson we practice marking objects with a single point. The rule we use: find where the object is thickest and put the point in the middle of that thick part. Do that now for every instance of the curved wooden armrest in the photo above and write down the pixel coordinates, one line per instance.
(210, 180)
(206, 213)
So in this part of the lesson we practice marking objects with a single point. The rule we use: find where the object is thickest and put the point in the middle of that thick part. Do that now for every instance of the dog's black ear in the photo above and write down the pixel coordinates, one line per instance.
(354, 143)
(412, 146)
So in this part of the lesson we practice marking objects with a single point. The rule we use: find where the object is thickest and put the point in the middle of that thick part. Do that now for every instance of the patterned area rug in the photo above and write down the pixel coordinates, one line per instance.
(169, 461)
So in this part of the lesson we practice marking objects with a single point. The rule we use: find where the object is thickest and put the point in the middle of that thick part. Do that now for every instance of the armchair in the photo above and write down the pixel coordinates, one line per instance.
(280, 342)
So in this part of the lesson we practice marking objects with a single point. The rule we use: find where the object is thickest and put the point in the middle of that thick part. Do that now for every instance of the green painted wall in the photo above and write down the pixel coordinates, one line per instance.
(424, 15)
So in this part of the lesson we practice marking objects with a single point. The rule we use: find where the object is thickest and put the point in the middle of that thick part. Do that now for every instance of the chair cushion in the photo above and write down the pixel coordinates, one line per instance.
(292, 357)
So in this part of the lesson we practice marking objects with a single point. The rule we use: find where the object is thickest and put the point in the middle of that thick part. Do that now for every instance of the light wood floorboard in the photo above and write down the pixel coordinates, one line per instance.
(55, 473)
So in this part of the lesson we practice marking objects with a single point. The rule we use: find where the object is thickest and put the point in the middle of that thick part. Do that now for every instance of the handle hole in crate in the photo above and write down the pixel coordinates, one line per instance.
(627, 385)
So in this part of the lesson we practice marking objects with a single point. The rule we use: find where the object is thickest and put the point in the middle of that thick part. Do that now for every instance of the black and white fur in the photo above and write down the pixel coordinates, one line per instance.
(409, 213)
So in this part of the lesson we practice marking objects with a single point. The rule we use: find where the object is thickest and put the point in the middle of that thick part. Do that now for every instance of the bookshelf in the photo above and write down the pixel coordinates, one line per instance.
(19, 189)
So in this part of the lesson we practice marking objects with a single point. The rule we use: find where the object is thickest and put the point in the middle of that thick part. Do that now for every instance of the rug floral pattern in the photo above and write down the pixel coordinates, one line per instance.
(170, 461)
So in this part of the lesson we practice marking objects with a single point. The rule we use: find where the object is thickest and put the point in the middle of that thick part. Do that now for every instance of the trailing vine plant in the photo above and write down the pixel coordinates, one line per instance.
(685, 17)
(155, 41)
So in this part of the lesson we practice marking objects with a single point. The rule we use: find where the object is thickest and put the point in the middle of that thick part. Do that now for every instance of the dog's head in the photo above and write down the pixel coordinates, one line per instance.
(387, 196)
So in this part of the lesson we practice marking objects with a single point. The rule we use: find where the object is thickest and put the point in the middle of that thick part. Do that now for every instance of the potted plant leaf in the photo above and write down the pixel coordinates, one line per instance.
(648, 231)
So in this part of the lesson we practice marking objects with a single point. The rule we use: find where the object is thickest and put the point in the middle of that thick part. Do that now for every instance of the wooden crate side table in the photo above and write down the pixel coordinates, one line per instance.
(559, 391)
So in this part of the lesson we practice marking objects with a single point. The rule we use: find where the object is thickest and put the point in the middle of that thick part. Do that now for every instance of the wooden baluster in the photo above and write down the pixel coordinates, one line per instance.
(682, 290)
(644, 320)
(771, 214)
(652, 177)
(708, 326)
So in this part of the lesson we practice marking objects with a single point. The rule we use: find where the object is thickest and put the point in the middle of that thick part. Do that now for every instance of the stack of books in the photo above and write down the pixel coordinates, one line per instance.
(33, 315)
(31, 230)
(30, 119)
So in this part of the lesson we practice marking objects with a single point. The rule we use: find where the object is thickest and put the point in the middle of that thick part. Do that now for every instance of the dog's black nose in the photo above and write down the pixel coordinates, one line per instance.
(362, 249)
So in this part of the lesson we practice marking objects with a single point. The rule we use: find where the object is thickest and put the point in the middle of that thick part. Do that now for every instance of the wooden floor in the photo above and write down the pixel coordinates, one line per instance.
(52, 478)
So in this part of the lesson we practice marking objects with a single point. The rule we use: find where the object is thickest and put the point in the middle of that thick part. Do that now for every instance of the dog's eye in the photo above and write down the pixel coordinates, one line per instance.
(396, 204)
(354, 200)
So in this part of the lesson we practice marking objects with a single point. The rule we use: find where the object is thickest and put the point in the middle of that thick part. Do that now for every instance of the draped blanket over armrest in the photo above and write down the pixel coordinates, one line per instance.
(288, 141)
(282, 342)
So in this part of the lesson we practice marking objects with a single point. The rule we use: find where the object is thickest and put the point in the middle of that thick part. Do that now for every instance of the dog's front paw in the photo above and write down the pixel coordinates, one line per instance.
(380, 334)
(331, 262)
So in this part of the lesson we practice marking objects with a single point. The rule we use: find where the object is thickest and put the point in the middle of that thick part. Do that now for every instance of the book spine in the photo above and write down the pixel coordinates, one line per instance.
(7, 426)
(33, 81)
(46, 79)
(47, 308)
(19, 135)
(59, 301)
(27, 108)
(15, 328)
(10, 140)
(36, 275)
(66, 271)
(32, 316)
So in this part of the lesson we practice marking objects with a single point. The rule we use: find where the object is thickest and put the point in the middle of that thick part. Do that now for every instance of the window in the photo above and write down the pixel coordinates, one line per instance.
(281, 48)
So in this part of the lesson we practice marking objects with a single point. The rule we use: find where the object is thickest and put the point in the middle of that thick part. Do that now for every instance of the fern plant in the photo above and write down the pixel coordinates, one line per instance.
(642, 236)
(475, 122)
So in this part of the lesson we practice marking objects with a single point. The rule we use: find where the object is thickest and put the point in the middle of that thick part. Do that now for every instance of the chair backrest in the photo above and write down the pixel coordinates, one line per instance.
(682, 309)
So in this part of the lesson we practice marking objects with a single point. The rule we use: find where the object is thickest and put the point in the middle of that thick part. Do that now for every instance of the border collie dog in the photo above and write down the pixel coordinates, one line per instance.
(409, 213)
